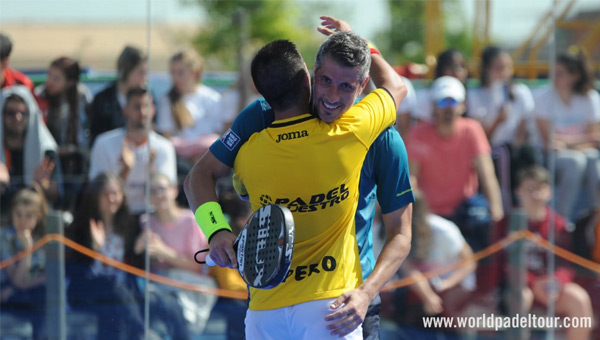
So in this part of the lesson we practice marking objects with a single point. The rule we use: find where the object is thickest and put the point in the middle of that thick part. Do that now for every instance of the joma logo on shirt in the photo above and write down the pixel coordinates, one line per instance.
(291, 135)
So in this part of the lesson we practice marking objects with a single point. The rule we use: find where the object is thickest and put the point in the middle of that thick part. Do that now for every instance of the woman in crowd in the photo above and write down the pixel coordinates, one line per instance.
(106, 111)
(505, 110)
(574, 106)
(23, 283)
(63, 101)
(189, 113)
(449, 63)
(173, 238)
(103, 223)
(452, 63)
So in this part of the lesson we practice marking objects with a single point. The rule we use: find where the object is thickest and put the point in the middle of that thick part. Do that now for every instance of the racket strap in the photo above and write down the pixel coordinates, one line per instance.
(198, 253)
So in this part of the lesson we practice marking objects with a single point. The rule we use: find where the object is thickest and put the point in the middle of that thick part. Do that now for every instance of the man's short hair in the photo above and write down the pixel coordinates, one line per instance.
(279, 72)
(5, 46)
(346, 49)
(136, 92)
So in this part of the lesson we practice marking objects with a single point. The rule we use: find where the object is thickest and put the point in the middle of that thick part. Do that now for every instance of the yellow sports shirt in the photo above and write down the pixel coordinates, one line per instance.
(313, 168)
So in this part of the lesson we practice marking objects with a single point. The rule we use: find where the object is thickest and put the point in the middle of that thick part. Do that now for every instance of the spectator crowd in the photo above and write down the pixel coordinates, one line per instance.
(475, 155)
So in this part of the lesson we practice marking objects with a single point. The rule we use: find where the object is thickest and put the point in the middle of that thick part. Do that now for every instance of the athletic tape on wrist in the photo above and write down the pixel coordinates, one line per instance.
(210, 218)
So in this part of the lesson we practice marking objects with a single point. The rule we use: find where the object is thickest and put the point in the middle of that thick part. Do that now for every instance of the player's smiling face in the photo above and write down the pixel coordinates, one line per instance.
(336, 88)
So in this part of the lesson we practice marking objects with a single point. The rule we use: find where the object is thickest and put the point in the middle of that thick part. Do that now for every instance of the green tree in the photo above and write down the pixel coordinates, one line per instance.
(221, 35)
(405, 39)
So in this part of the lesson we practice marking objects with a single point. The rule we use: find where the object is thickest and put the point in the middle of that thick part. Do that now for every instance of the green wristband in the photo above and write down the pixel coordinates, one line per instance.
(210, 218)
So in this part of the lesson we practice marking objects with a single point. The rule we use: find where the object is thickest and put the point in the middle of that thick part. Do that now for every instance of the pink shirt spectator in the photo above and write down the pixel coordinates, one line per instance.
(183, 236)
(447, 174)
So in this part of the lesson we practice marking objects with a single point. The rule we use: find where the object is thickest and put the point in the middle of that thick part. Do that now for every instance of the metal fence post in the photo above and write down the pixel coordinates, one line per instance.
(516, 274)
(55, 280)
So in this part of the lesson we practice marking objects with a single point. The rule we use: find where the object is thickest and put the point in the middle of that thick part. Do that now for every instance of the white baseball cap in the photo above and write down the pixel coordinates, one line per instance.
(447, 87)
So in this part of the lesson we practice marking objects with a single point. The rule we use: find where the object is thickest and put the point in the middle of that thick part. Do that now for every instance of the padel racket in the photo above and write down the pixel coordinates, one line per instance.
(264, 247)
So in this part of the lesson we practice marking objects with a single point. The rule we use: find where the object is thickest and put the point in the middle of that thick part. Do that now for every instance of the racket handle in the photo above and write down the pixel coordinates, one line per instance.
(209, 261)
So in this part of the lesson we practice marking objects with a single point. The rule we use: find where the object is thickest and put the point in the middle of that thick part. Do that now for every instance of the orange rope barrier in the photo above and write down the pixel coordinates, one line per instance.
(492, 249)
(122, 266)
(565, 254)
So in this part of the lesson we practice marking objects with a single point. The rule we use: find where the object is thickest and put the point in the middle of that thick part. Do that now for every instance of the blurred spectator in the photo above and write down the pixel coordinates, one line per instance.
(449, 63)
(535, 192)
(9, 76)
(63, 101)
(189, 114)
(406, 111)
(449, 158)
(234, 310)
(105, 112)
(124, 151)
(452, 63)
(437, 243)
(405, 115)
(173, 238)
(237, 96)
(505, 110)
(23, 289)
(596, 245)
(573, 107)
(29, 151)
(103, 223)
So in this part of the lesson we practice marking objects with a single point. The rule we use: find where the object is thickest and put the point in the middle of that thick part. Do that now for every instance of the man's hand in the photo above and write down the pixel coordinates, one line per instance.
(330, 25)
(345, 320)
(127, 156)
(43, 173)
(221, 249)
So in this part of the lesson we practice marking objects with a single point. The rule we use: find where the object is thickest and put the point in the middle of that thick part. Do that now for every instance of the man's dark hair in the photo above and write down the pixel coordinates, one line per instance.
(279, 72)
(135, 92)
(536, 173)
(346, 49)
(5, 46)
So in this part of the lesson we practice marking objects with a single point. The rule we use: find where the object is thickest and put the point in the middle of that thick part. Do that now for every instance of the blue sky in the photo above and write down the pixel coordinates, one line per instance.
(511, 19)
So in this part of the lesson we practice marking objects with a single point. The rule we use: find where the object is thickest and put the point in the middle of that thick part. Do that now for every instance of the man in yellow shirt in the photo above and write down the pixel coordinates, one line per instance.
(312, 167)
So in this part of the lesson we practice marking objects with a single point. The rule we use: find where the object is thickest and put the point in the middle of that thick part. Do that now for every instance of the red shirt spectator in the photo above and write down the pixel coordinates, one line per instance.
(13, 77)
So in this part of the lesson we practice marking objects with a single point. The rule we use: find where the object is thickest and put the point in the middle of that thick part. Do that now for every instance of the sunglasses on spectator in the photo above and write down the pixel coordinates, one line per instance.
(13, 113)
(447, 103)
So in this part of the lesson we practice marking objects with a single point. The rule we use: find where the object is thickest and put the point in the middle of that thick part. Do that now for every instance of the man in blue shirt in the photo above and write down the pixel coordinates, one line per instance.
(384, 178)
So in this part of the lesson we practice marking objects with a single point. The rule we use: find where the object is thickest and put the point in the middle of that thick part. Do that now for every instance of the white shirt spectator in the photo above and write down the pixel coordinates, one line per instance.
(204, 107)
(409, 103)
(569, 118)
(484, 105)
(106, 157)
(446, 244)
